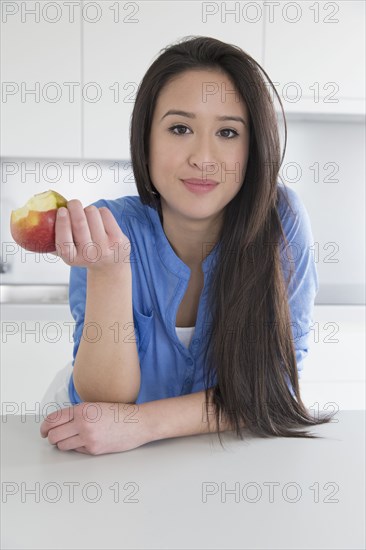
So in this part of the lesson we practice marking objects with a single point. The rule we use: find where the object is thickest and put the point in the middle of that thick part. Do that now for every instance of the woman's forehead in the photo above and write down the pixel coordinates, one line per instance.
(193, 92)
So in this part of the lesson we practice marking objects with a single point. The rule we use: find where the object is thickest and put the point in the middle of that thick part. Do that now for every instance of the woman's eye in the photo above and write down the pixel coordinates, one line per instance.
(178, 133)
(230, 130)
(172, 128)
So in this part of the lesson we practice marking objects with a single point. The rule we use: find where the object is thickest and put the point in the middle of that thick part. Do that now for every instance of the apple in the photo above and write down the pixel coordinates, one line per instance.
(33, 225)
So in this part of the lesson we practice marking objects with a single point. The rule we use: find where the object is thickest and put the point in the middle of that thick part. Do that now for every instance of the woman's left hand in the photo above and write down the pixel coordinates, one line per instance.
(96, 428)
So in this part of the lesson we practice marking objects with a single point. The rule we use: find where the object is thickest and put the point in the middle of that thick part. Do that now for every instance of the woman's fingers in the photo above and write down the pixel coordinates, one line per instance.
(70, 443)
(65, 246)
(77, 230)
(86, 236)
(82, 450)
(96, 225)
(79, 224)
(111, 226)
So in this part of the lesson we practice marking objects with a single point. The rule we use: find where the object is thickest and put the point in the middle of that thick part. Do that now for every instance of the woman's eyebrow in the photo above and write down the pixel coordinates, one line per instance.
(192, 115)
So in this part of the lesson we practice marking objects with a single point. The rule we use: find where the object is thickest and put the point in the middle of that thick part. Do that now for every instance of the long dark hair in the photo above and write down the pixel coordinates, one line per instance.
(250, 347)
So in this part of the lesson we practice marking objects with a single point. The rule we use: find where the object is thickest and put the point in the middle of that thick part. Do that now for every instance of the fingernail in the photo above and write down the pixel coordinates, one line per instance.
(61, 211)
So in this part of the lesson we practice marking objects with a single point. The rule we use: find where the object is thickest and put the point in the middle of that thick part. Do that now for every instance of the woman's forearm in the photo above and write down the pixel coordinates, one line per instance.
(107, 365)
(180, 416)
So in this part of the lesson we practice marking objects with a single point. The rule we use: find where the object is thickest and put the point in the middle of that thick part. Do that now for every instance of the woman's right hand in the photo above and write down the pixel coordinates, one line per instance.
(90, 237)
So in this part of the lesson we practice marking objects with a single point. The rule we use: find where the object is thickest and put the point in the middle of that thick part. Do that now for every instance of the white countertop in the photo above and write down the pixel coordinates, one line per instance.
(280, 493)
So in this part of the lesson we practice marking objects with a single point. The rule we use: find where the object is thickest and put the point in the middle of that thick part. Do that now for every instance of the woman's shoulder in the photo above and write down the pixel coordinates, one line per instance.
(293, 214)
(289, 201)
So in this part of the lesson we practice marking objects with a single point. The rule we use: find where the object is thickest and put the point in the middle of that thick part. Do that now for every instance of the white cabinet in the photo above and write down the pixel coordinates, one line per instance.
(122, 44)
(334, 370)
(315, 53)
(71, 70)
(36, 342)
(40, 79)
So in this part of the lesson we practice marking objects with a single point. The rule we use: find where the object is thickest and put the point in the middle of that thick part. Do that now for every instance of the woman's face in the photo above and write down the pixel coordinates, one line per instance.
(199, 146)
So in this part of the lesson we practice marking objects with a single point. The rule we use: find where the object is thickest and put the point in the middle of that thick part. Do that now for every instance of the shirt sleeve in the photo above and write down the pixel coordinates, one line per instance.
(304, 284)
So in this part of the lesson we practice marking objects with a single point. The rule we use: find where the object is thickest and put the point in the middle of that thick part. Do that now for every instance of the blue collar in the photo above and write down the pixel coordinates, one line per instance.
(167, 254)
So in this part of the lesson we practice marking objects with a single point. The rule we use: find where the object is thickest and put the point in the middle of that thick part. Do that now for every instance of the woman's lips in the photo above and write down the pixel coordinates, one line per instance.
(196, 181)
(200, 186)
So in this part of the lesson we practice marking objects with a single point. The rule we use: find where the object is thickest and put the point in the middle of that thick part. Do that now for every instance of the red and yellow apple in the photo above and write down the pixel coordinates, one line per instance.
(33, 225)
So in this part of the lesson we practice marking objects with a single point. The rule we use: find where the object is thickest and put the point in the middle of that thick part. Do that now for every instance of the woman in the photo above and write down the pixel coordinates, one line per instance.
(228, 264)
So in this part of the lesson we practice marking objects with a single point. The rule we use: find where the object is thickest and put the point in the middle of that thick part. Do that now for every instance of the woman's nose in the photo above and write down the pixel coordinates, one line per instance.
(203, 155)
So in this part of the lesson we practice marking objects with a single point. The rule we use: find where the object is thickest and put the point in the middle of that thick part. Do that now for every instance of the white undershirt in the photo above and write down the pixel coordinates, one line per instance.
(185, 334)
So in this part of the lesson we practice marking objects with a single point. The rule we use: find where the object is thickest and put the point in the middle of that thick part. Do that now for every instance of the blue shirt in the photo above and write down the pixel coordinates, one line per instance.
(159, 282)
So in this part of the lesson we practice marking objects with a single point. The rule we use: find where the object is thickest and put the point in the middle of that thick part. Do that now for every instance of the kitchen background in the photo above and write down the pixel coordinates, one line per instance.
(69, 74)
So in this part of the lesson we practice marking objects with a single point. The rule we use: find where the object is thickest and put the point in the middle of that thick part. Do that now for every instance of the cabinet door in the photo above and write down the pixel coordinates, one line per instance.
(122, 42)
(36, 342)
(315, 53)
(40, 73)
(333, 373)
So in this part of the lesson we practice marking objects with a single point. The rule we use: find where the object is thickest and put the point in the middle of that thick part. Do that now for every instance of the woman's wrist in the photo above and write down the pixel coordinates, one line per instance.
(109, 271)
(148, 421)
(176, 417)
